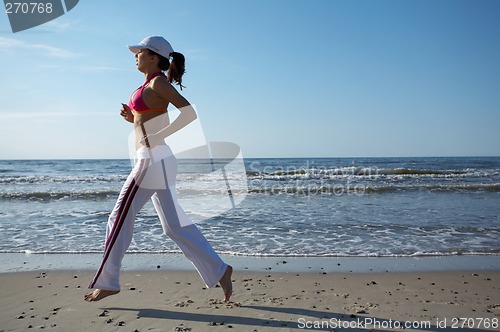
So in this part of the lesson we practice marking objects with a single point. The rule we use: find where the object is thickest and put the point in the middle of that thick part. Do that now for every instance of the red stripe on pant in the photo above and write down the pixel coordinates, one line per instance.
(120, 210)
(120, 218)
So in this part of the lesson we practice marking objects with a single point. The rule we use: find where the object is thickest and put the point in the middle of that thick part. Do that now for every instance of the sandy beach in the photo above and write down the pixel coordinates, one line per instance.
(262, 301)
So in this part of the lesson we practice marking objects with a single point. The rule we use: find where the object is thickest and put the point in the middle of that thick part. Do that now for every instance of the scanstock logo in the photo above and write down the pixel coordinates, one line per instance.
(24, 15)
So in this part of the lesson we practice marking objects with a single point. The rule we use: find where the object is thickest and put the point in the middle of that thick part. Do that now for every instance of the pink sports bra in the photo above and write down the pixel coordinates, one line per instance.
(136, 103)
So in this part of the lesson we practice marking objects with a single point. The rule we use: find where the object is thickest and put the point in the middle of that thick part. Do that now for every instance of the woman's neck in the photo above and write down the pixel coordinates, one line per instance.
(150, 72)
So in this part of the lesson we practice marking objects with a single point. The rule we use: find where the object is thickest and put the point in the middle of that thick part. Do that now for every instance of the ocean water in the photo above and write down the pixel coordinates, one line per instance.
(316, 207)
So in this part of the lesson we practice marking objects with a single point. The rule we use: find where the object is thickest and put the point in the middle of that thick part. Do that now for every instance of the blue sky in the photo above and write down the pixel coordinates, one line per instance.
(279, 78)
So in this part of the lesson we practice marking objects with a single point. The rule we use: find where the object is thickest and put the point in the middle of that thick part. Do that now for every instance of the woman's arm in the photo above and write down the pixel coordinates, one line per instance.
(168, 92)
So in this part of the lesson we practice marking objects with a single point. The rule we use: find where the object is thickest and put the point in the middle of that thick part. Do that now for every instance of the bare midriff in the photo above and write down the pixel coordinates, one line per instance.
(151, 121)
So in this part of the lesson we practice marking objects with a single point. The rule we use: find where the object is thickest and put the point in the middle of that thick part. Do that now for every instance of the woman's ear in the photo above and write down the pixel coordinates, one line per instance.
(153, 56)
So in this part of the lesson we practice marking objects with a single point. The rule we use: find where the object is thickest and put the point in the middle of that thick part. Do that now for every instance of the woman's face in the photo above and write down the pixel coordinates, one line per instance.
(144, 60)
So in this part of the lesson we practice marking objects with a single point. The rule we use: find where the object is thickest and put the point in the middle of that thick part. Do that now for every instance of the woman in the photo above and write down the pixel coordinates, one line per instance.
(153, 176)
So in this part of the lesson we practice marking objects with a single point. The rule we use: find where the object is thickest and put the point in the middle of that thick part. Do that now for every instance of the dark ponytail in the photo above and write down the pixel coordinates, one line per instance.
(176, 69)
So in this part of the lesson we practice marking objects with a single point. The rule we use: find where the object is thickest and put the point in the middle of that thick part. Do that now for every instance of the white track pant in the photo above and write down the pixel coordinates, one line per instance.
(154, 177)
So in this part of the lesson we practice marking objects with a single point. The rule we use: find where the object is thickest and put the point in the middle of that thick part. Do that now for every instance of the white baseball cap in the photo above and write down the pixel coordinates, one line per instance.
(156, 44)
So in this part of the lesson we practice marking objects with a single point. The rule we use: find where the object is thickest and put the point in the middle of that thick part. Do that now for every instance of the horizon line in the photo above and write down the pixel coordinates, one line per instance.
(317, 157)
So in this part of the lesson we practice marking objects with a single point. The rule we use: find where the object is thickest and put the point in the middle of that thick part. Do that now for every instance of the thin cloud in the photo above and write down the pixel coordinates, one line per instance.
(8, 42)
(54, 51)
(100, 69)
(32, 115)
(85, 69)
(11, 44)
(61, 25)
(196, 54)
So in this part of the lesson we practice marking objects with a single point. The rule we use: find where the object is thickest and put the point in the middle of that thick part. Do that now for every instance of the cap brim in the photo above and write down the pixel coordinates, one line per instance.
(136, 48)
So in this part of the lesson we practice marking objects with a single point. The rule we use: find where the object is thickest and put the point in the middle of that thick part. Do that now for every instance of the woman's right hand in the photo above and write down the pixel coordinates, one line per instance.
(126, 113)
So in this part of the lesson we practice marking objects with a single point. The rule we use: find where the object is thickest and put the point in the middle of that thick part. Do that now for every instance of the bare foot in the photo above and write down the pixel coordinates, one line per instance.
(226, 284)
(99, 294)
